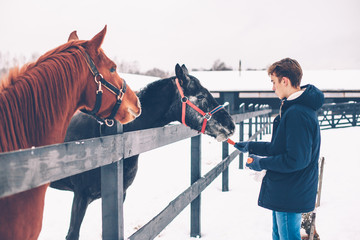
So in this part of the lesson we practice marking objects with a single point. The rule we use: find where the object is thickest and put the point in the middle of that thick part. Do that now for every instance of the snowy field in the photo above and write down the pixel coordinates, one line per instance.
(164, 173)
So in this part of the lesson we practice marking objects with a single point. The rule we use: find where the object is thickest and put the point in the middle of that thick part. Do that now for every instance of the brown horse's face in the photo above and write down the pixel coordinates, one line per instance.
(130, 105)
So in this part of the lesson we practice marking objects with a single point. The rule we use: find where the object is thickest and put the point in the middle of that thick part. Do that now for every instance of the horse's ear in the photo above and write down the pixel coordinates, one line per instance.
(181, 74)
(185, 70)
(73, 36)
(97, 40)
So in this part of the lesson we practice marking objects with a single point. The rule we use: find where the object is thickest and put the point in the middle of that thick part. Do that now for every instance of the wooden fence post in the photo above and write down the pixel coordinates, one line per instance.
(317, 204)
(225, 173)
(112, 195)
(354, 119)
(230, 98)
(250, 108)
(256, 108)
(225, 146)
(250, 127)
(322, 160)
(333, 125)
(241, 137)
(261, 124)
(195, 208)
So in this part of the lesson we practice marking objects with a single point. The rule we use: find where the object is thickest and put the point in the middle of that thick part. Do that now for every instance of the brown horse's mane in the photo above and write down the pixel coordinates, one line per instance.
(31, 98)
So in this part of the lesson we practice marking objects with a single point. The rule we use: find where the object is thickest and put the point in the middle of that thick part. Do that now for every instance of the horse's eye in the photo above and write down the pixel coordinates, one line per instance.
(200, 97)
(113, 69)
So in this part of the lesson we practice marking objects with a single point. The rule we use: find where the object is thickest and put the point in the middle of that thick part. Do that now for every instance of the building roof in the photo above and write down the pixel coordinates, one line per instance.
(260, 81)
(326, 80)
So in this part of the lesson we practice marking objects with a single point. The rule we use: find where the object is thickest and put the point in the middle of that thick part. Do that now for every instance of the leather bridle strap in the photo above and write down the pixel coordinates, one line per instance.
(99, 80)
(185, 101)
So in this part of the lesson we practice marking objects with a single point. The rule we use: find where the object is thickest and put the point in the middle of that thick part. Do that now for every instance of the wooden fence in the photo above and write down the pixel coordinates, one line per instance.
(26, 169)
(339, 115)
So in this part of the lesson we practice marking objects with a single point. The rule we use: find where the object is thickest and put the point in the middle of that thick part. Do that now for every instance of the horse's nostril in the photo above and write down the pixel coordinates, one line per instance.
(139, 108)
(139, 104)
(135, 113)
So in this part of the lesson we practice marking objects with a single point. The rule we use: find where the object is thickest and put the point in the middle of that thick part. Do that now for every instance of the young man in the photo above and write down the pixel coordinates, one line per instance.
(291, 158)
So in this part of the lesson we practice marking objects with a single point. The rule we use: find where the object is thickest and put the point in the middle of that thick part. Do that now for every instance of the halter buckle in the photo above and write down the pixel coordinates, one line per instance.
(121, 95)
(184, 99)
(109, 122)
(99, 80)
(207, 116)
(99, 88)
(96, 76)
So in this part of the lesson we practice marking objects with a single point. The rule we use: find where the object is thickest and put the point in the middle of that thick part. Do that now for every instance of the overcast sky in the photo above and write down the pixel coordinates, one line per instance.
(320, 34)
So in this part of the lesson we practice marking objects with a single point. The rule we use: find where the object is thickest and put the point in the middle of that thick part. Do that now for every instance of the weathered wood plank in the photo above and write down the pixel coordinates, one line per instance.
(225, 173)
(195, 208)
(253, 137)
(25, 169)
(112, 201)
(241, 138)
(158, 223)
(243, 116)
(112, 191)
(145, 140)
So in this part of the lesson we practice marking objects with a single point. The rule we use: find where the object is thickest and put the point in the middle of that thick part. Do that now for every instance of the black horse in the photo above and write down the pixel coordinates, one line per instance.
(161, 104)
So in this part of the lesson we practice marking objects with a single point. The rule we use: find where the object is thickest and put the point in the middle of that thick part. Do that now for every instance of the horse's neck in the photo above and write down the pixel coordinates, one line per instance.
(157, 104)
(28, 119)
(56, 131)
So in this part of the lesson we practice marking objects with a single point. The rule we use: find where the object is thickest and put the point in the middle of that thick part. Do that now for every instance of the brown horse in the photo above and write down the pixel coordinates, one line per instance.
(36, 105)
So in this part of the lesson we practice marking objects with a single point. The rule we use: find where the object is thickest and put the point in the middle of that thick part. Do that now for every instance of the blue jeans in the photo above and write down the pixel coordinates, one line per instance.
(286, 226)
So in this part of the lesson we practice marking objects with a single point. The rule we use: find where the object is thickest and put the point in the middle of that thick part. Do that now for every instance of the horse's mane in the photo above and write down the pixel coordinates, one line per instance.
(31, 98)
(156, 97)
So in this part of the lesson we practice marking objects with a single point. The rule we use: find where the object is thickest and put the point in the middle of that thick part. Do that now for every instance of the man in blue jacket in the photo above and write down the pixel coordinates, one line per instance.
(291, 158)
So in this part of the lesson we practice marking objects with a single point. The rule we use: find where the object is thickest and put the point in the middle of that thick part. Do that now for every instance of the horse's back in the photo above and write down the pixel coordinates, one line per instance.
(82, 126)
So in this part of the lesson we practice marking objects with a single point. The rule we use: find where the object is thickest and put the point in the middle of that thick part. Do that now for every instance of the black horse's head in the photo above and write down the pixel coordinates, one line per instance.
(218, 122)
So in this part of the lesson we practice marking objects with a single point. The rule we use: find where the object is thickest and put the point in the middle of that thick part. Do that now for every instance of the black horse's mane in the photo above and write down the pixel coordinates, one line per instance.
(155, 98)
(158, 84)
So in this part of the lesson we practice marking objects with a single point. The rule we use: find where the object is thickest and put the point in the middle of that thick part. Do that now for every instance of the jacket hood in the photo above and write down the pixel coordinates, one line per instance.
(312, 97)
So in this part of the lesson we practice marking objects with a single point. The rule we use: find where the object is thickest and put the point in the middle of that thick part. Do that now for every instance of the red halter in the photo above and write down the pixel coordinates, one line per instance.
(185, 100)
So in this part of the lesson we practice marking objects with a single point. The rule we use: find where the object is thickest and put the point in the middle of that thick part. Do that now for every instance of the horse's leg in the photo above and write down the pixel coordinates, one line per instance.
(80, 204)
(130, 170)
(20, 209)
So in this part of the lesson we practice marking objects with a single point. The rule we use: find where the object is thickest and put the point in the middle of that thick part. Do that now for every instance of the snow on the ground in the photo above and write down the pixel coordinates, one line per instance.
(164, 173)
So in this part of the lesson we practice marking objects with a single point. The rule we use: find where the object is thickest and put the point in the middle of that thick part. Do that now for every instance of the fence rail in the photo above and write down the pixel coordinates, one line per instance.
(158, 223)
(29, 168)
(26, 169)
(339, 115)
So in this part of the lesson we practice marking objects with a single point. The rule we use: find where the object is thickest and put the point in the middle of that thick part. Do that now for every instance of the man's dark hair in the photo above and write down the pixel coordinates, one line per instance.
(289, 68)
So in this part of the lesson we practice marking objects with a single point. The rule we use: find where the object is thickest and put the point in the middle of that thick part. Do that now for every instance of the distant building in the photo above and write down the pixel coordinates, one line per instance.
(255, 86)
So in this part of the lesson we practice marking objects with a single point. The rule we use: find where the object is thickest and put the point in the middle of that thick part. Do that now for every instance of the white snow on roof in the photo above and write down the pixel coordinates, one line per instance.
(259, 80)
(136, 81)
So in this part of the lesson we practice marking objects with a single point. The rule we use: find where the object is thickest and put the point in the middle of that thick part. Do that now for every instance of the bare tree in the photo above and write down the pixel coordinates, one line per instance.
(220, 66)
(129, 67)
(156, 72)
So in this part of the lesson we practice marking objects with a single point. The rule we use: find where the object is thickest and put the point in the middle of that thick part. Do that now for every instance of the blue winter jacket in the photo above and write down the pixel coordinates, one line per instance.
(291, 158)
